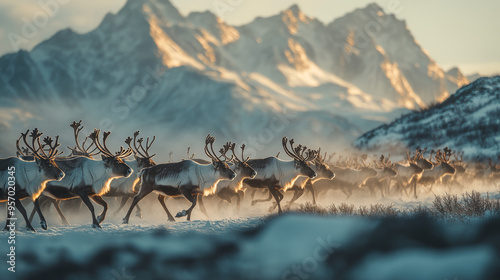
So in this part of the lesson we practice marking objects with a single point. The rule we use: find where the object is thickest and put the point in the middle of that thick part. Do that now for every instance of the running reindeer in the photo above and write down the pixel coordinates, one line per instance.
(31, 177)
(127, 188)
(187, 178)
(278, 175)
(78, 150)
(323, 172)
(384, 176)
(227, 190)
(441, 169)
(347, 179)
(90, 179)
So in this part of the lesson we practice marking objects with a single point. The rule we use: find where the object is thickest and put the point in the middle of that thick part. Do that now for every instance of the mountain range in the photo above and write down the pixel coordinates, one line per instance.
(180, 77)
(468, 121)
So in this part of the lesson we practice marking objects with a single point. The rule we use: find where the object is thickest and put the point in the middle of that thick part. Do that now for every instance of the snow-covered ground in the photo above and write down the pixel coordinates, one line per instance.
(246, 245)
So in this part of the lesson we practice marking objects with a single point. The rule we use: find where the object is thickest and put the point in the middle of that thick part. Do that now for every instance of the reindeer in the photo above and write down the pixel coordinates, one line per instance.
(323, 172)
(407, 172)
(346, 179)
(127, 187)
(21, 179)
(384, 175)
(78, 150)
(278, 175)
(226, 190)
(423, 163)
(90, 179)
(187, 178)
(440, 170)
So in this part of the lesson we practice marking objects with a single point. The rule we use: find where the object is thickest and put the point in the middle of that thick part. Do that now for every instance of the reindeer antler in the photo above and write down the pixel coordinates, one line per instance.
(210, 141)
(122, 153)
(35, 140)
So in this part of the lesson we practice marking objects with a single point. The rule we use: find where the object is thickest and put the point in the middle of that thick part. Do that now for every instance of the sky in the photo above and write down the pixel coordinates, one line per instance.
(461, 33)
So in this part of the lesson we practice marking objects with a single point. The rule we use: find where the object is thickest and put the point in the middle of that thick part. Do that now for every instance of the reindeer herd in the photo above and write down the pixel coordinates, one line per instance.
(47, 178)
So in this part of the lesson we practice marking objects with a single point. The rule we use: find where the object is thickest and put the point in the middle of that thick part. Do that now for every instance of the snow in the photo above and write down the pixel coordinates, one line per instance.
(250, 248)
(463, 263)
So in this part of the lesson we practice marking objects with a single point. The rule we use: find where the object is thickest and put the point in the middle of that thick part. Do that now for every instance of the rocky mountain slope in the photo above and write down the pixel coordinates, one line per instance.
(468, 121)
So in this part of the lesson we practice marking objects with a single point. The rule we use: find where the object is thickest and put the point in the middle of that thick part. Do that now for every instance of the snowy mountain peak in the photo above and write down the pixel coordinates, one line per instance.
(208, 21)
(292, 17)
(162, 9)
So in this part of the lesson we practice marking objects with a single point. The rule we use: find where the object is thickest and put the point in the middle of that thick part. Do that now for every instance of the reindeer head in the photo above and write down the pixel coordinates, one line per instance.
(141, 154)
(112, 162)
(443, 159)
(322, 169)
(301, 163)
(387, 167)
(220, 166)
(363, 167)
(420, 160)
(241, 165)
(45, 160)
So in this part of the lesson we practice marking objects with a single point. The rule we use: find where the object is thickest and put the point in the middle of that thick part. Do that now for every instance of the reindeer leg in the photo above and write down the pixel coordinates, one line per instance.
(238, 196)
(56, 203)
(85, 198)
(122, 204)
(274, 192)
(202, 206)
(138, 211)
(381, 188)
(296, 195)
(144, 191)
(43, 202)
(99, 200)
(192, 198)
(309, 186)
(43, 222)
(415, 189)
(348, 194)
(161, 198)
(252, 195)
(21, 209)
(262, 200)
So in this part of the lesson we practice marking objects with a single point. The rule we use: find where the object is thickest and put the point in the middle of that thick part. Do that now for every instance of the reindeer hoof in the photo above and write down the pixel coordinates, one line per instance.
(181, 214)
(30, 228)
(96, 226)
(171, 219)
(65, 223)
(125, 221)
(43, 224)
